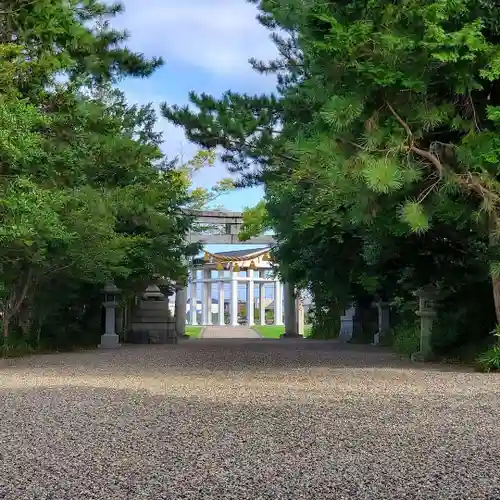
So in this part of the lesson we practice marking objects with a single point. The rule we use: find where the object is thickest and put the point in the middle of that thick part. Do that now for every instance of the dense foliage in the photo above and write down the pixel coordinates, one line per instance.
(86, 195)
(379, 152)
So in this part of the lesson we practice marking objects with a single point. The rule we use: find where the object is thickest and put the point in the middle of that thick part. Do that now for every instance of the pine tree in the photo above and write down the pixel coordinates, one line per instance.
(388, 119)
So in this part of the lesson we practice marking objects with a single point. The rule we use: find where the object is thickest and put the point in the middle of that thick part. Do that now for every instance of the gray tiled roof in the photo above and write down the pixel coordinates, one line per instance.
(241, 253)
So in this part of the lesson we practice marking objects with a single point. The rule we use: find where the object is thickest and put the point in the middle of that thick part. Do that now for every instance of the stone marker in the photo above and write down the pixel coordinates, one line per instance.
(152, 315)
(427, 312)
(384, 326)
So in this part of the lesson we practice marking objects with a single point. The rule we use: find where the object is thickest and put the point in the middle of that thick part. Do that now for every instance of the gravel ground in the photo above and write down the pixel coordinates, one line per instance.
(245, 419)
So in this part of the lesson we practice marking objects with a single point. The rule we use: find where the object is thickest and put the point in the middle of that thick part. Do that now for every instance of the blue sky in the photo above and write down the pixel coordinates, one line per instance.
(206, 45)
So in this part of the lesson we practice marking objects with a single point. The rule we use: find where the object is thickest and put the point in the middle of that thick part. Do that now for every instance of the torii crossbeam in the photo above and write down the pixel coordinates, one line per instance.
(222, 227)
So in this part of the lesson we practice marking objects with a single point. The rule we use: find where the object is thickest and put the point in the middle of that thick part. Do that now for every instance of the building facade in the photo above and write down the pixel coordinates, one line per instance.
(229, 288)
(234, 288)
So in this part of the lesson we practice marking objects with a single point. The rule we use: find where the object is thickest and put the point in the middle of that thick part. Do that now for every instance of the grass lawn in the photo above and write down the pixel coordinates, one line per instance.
(193, 331)
(275, 331)
(270, 331)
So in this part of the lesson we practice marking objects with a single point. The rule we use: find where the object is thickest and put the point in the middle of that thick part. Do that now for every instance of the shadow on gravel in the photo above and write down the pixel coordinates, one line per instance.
(79, 443)
(250, 354)
(239, 355)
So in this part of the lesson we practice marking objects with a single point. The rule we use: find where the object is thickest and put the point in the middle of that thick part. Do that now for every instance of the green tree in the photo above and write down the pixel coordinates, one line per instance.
(379, 145)
(86, 194)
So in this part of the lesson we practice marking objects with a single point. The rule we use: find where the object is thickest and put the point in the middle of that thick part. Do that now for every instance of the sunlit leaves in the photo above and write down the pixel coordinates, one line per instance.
(493, 113)
(255, 221)
(201, 197)
(495, 270)
(383, 175)
(224, 186)
(203, 158)
(339, 112)
(414, 215)
(30, 217)
(492, 72)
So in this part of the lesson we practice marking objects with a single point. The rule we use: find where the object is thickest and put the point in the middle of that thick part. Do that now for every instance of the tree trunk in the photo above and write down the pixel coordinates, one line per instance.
(496, 297)
(495, 280)
(6, 321)
(14, 303)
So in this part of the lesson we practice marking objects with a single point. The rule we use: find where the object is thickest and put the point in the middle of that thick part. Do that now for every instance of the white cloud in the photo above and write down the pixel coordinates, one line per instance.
(215, 35)
(218, 36)
(176, 144)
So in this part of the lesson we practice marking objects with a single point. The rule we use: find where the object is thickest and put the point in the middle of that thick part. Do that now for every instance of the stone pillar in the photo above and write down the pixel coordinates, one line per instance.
(291, 326)
(110, 340)
(278, 303)
(262, 303)
(193, 302)
(110, 323)
(209, 301)
(282, 288)
(180, 310)
(221, 299)
(206, 306)
(234, 299)
(203, 315)
(120, 321)
(427, 313)
(384, 326)
(384, 319)
(250, 298)
(347, 324)
(300, 317)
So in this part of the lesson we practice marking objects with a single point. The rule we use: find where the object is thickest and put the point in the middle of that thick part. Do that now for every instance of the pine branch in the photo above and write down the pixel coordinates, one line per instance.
(430, 157)
(470, 181)
(411, 144)
(426, 192)
(18, 9)
(401, 121)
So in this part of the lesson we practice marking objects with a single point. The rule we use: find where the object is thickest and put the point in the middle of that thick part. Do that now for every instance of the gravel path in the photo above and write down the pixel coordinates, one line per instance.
(236, 419)
(229, 332)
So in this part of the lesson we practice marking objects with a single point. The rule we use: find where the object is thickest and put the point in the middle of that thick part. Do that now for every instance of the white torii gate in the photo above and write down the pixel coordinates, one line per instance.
(224, 227)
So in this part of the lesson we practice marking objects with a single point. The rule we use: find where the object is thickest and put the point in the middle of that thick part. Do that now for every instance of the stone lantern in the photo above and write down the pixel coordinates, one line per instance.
(153, 292)
(152, 321)
(165, 285)
(110, 340)
(427, 313)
